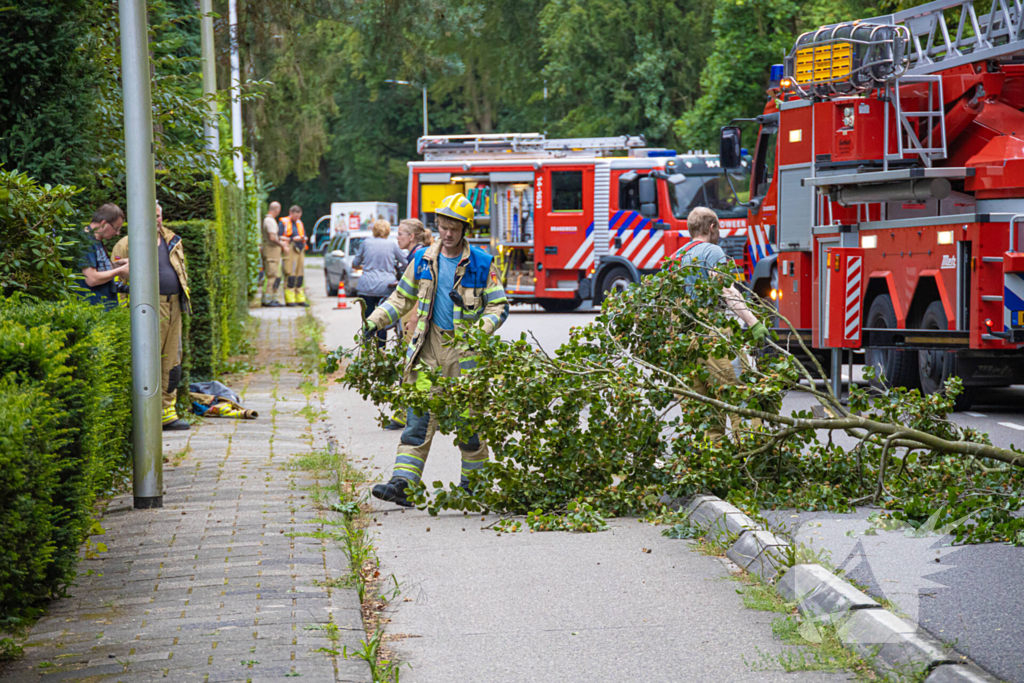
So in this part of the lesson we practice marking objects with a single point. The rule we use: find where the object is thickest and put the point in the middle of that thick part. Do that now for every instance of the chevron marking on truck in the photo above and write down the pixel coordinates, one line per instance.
(585, 252)
(1013, 298)
(852, 319)
(758, 245)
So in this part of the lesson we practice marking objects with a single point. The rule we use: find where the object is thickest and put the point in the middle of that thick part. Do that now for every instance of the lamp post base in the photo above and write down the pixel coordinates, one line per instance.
(149, 502)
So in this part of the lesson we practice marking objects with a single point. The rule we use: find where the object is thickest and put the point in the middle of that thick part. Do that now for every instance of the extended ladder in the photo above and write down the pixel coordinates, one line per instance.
(504, 145)
(994, 33)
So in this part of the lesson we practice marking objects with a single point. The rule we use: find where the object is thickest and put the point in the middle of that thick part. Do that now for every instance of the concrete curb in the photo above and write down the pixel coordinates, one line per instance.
(891, 645)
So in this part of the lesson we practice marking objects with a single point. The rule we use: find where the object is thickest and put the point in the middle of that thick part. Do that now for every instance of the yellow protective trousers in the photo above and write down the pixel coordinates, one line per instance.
(271, 272)
(294, 272)
(438, 351)
(170, 352)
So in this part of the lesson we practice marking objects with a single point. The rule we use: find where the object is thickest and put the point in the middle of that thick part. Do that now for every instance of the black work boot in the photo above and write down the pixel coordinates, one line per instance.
(176, 425)
(393, 492)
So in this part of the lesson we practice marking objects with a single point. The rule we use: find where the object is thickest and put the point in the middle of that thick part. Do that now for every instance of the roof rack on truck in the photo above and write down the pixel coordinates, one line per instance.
(504, 145)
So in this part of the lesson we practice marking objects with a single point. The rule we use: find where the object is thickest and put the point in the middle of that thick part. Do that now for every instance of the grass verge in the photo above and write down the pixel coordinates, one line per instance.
(339, 487)
(819, 647)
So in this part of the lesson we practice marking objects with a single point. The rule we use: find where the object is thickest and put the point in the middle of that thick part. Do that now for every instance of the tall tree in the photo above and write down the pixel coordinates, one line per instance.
(46, 84)
(750, 35)
(623, 66)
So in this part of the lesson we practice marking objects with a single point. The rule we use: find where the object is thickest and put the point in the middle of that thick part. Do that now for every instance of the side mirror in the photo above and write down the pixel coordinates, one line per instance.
(648, 190)
(649, 210)
(338, 253)
(676, 179)
(730, 148)
(627, 178)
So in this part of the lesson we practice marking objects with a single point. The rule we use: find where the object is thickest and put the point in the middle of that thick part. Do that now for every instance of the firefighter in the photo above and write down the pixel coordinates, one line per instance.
(456, 285)
(294, 257)
(703, 252)
(271, 252)
(172, 275)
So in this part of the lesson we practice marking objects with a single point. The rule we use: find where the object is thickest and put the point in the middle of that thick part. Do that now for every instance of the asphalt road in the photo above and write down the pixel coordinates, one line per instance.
(971, 597)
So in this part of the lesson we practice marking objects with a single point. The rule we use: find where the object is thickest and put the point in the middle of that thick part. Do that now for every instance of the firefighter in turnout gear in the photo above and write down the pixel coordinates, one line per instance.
(271, 250)
(294, 257)
(452, 285)
(174, 300)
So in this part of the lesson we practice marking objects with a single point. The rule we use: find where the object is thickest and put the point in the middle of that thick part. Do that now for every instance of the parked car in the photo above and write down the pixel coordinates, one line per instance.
(338, 256)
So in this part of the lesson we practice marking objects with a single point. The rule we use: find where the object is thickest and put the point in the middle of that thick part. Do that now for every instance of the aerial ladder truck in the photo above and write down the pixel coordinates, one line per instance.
(888, 176)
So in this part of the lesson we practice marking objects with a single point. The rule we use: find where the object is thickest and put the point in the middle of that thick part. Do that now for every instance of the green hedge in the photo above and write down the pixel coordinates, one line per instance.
(218, 276)
(65, 436)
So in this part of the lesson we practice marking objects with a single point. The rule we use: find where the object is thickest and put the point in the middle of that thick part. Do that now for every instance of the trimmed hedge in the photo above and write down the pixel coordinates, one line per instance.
(65, 436)
(218, 275)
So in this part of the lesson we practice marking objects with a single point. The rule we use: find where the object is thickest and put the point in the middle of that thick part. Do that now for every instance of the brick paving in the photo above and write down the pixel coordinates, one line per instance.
(212, 587)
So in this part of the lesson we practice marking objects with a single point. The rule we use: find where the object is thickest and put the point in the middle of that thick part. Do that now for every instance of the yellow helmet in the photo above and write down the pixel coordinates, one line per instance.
(458, 207)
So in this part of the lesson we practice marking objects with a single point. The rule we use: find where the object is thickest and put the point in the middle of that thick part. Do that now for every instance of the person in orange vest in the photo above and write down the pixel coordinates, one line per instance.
(294, 257)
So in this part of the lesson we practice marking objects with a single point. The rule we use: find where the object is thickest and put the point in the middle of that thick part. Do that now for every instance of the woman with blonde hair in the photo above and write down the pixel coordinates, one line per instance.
(414, 236)
(381, 260)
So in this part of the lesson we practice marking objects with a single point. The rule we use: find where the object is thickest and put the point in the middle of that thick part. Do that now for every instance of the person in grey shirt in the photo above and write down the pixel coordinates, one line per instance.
(382, 260)
(703, 256)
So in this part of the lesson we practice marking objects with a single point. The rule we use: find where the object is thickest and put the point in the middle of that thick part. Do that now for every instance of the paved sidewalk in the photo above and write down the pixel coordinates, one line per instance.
(212, 587)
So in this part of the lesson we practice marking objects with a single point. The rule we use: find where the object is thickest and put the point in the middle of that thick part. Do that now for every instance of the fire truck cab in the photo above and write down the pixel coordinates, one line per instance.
(574, 219)
(888, 180)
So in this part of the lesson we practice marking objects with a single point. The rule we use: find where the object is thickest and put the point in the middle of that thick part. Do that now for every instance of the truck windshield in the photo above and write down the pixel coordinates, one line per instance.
(713, 192)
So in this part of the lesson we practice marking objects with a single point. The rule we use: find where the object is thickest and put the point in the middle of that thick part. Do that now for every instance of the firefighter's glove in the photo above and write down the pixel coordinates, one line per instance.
(759, 332)
(369, 329)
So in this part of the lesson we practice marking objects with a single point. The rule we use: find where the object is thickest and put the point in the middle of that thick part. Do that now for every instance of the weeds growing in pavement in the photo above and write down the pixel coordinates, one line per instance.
(310, 336)
(760, 596)
(381, 669)
(820, 649)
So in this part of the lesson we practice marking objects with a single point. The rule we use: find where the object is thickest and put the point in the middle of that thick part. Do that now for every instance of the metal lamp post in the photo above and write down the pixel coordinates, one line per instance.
(236, 95)
(398, 82)
(211, 131)
(147, 477)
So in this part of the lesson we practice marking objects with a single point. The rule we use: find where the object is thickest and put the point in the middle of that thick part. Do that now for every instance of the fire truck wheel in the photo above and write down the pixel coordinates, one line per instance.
(892, 368)
(935, 367)
(560, 305)
(617, 280)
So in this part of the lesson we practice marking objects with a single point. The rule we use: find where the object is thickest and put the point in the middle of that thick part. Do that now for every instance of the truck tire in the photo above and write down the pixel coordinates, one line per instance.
(560, 305)
(935, 367)
(892, 368)
(617, 280)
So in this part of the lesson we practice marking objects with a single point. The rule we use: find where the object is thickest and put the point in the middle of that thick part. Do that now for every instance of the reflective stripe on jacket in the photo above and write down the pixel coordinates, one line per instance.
(478, 283)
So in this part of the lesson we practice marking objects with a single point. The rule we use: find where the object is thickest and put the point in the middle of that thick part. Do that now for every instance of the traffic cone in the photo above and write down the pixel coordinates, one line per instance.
(342, 301)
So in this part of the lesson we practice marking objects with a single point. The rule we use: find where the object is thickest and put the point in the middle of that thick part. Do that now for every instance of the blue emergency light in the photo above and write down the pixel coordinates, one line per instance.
(776, 74)
(661, 153)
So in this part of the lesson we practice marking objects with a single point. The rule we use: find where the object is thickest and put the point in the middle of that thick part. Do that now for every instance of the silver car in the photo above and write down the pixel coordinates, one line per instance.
(338, 256)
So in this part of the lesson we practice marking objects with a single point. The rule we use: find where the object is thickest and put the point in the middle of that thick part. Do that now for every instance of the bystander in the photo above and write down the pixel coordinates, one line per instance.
(97, 269)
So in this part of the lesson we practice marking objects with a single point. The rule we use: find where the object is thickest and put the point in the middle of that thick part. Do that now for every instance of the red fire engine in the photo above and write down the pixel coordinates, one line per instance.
(567, 219)
(888, 175)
